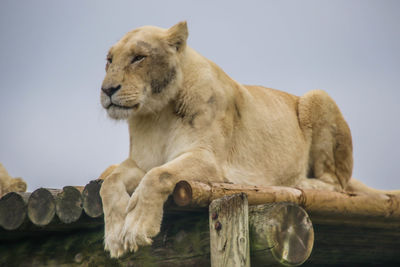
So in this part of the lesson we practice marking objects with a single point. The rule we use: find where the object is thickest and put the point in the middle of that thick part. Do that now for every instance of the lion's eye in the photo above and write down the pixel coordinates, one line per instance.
(109, 60)
(137, 58)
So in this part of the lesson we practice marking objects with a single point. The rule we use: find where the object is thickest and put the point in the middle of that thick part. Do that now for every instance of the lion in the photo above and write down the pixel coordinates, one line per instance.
(10, 184)
(188, 120)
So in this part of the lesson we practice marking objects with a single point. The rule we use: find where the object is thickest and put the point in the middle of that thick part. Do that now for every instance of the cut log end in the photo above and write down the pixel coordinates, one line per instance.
(285, 229)
(69, 204)
(12, 210)
(192, 194)
(182, 194)
(41, 207)
(91, 199)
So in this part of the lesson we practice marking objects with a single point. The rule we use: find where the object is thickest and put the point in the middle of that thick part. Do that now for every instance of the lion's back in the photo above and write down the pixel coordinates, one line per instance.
(267, 94)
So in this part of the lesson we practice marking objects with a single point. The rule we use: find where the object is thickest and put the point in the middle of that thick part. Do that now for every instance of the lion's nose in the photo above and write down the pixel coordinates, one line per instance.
(111, 90)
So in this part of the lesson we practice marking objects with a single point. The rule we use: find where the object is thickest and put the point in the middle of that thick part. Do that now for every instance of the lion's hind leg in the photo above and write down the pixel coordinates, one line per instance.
(328, 137)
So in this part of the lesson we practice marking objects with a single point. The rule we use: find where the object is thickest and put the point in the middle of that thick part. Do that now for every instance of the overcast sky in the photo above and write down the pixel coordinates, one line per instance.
(53, 131)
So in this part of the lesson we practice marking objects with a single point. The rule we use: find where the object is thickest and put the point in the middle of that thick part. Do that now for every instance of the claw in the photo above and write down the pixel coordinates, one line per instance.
(133, 247)
(148, 241)
(120, 253)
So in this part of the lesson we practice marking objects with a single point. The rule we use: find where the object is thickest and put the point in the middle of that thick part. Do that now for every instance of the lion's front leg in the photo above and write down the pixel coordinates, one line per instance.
(145, 209)
(115, 193)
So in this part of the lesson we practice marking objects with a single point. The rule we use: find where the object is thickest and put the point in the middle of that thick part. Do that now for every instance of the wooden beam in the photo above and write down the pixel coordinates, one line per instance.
(325, 207)
(229, 231)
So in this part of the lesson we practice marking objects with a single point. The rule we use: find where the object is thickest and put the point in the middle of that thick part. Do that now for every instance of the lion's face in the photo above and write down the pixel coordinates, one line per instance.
(143, 71)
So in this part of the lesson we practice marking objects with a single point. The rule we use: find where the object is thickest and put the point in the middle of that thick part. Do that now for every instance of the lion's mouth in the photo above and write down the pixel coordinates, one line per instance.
(135, 107)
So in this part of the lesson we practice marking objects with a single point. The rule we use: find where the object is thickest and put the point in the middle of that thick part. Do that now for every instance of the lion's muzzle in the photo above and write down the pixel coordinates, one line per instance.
(111, 90)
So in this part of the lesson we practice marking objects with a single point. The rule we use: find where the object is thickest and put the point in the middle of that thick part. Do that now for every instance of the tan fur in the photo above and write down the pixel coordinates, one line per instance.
(189, 120)
(107, 172)
(10, 184)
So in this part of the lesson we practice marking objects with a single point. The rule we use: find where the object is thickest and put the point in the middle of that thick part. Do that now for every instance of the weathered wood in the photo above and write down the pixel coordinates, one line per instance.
(69, 204)
(283, 231)
(369, 210)
(42, 206)
(229, 231)
(342, 237)
(13, 209)
(185, 241)
(345, 245)
(92, 204)
(191, 193)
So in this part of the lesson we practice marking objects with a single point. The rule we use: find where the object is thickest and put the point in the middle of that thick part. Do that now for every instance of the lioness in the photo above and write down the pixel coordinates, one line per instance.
(189, 120)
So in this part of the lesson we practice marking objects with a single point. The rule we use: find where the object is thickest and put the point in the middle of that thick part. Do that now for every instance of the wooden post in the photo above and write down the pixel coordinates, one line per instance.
(13, 210)
(91, 199)
(280, 233)
(229, 231)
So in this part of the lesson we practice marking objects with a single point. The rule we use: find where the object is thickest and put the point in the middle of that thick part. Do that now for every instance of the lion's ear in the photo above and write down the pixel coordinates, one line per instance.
(177, 35)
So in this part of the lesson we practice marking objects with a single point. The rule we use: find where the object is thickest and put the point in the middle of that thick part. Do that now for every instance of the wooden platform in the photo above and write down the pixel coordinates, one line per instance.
(65, 227)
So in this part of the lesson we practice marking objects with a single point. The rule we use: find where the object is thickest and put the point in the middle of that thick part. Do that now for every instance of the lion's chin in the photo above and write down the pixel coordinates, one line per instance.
(118, 113)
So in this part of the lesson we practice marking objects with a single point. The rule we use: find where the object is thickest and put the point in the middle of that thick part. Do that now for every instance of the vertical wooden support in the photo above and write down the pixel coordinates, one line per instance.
(229, 231)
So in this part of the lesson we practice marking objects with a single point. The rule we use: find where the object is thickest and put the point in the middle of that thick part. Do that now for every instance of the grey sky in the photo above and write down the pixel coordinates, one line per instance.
(53, 131)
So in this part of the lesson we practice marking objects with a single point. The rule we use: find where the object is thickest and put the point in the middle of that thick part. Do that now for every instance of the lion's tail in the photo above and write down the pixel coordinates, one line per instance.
(357, 186)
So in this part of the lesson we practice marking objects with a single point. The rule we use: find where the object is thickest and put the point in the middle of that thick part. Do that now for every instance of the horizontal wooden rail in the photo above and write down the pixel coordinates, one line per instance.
(369, 210)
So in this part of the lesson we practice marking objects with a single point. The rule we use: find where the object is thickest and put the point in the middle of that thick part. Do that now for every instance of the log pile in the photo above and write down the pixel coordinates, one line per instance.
(56, 227)
(45, 206)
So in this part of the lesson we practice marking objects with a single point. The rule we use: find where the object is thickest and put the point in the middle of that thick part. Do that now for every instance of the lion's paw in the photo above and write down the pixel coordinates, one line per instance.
(114, 218)
(142, 222)
(112, 234)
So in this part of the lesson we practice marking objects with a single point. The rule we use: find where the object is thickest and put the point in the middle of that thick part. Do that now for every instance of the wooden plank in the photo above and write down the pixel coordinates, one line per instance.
(229, 231)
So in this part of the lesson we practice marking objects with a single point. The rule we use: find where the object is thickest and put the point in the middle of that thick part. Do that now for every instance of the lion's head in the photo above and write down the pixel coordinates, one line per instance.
(143, 70)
